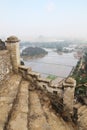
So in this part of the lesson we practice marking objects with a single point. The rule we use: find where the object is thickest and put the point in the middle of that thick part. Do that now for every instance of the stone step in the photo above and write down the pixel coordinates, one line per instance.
(82, 123)
(8, 93)
(83, 113)
(68, 125)
(78, 105)
(81, 109)
(82, 117)
(37, 118)
(56, 122)
(19, 115)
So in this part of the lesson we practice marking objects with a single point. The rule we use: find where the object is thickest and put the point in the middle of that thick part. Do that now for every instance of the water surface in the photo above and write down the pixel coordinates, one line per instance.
(53, 63)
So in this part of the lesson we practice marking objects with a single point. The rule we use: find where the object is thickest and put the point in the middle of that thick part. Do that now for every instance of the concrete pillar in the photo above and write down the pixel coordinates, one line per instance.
(68, 96)
(13, 47)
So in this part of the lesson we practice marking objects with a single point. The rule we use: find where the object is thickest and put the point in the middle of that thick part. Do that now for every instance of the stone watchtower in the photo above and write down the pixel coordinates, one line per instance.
(68, 96)
(13, 47)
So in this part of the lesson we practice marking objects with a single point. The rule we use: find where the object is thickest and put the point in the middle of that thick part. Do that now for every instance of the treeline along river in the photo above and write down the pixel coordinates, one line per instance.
(53, 64)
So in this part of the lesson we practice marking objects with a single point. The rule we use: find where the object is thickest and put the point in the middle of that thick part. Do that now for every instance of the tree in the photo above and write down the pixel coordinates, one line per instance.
(85, 60)
(85, 57)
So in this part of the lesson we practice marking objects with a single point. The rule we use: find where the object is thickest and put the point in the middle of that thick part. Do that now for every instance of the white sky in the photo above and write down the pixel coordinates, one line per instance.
(52, 18)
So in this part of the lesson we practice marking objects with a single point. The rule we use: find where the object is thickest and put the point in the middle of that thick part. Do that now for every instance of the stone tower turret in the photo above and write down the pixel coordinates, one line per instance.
(68, 96)
(13, 47)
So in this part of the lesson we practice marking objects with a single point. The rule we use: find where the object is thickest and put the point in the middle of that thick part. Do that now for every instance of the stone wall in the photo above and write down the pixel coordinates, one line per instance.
(40, 83)
(5, 64)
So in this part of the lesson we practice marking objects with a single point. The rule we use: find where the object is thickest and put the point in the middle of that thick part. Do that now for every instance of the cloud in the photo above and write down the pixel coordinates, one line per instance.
(50, 7)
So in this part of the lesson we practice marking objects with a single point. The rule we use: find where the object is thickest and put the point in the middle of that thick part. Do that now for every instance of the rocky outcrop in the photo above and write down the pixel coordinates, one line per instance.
(34, 52)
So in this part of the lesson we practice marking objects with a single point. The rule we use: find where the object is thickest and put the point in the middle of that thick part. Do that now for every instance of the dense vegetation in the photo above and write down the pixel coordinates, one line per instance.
(33, 51)
(80, 74)
(85, 61)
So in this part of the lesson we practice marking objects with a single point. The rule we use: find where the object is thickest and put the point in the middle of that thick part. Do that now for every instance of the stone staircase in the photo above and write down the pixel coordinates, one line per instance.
(8, 94)
(37, 118)
(19, 115)
(21, 109)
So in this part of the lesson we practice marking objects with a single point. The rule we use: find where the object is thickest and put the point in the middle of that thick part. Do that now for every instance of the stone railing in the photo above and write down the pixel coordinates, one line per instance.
(63, 90)
(39, 82)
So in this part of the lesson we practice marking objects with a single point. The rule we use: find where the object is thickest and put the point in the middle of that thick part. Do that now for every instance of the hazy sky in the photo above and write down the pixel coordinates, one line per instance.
(30, 18)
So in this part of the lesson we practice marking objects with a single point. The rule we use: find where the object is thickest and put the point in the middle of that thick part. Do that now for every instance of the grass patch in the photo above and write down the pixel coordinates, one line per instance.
(52, 77)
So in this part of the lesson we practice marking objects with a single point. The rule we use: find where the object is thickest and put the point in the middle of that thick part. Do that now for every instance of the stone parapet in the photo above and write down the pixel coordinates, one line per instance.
(40, 83)
(25, 68)
(34, 74)
(44, 80)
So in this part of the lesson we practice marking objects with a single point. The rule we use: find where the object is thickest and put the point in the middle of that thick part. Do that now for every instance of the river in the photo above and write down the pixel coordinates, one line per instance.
(53, 64)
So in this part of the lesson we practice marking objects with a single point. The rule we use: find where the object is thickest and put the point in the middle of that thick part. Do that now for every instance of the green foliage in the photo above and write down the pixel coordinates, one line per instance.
(52, 77)
(76, 72)
(85, 60)
(79, 74)
(33, 51)
(85, 56)
(80, 90)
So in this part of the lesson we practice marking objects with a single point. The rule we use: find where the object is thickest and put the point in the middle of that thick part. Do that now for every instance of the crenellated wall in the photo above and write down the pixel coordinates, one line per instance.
(5, 64)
